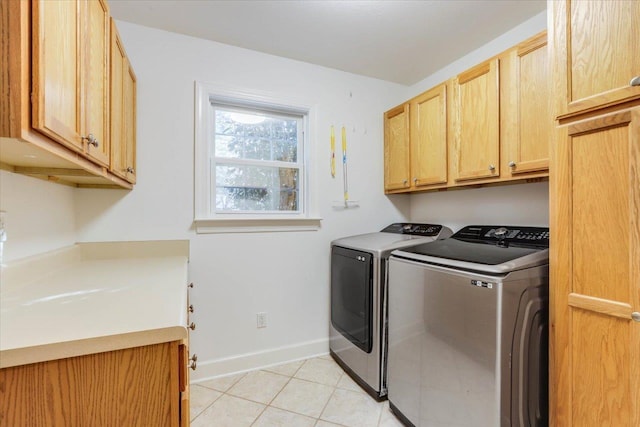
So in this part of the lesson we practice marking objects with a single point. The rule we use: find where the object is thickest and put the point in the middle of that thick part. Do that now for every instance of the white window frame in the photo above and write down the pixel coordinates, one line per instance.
(208, 221)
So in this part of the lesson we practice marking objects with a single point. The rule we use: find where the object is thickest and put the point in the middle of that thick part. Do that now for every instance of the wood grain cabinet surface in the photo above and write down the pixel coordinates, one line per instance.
(596, 50)
(428, 138)
(476, 123)
(595, 272)
(123, 111)
(526, 122)
(396, 148)
(70, 74)
(489, 125)
(138, 386)
(55, 93)
(595, 215)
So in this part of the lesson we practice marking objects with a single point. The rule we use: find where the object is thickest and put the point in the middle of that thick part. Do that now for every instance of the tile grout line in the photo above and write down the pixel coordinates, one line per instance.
(268, 405)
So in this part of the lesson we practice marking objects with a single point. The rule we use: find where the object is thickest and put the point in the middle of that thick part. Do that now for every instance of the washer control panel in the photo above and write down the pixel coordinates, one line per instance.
(414, 229)
(538, 236)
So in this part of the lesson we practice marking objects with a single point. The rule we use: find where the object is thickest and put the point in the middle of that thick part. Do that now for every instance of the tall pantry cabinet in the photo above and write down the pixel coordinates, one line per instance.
(595, 214)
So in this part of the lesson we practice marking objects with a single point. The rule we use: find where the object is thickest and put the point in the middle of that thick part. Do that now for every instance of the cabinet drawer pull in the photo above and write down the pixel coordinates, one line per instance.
(512, 164)
(190, 308)
(192, 326)
(635, 81)
(91, 140)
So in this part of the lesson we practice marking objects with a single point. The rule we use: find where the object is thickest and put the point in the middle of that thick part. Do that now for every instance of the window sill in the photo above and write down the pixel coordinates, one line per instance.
(255, 225)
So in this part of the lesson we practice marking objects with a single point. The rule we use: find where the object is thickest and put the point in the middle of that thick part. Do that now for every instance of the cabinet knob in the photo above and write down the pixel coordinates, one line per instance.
(405, 182)
(190, 308)
(91, 140)
(415, 180)
(635, 316)
(193, 365)
(130, 170)
(190, 285)
(492, 168)
(635, 81)
(194, 358)
(192, 326)
(512, 164)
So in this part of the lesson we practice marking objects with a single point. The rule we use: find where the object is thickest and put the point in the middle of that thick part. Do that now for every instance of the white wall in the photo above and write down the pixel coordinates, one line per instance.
(40, 216)
(238, 275)
(520, 204)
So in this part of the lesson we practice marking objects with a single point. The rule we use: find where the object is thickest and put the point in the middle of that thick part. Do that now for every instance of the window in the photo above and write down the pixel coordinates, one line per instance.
(251, 163)
(257, 157)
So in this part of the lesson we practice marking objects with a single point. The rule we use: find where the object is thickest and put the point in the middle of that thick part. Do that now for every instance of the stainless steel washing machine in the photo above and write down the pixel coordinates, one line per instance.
(358, 328)
(468, 329)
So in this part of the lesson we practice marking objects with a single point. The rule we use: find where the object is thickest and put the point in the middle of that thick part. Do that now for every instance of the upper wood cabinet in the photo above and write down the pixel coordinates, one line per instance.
(55, 92)
(525, 115)
(428, 137)
(396, 148)
(95, 96)
(476, 123)
(57, 82)
(596, 48)
(123, 111)
(70, 74)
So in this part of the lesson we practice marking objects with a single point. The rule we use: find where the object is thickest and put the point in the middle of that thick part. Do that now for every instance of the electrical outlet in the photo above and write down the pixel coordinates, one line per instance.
(261, 320)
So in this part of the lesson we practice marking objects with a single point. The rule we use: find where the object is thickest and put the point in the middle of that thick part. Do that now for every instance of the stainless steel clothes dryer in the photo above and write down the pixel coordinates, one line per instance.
(468, 329)
(358, 329)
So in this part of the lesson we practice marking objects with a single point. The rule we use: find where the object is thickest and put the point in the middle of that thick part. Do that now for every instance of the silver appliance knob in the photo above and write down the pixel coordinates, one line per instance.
(501, 232)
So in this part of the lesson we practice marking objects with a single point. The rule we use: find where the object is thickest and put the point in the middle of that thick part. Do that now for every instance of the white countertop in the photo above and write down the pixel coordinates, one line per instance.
(84, 299)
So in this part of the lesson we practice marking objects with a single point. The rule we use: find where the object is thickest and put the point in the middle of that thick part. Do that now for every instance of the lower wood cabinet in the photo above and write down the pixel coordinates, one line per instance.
(139, 386)
(595, 272)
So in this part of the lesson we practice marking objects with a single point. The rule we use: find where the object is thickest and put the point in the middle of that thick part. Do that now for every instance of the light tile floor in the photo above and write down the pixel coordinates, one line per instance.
(312, 392)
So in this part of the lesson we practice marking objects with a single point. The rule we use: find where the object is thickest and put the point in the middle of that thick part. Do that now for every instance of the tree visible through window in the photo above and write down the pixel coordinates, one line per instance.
(257, 160)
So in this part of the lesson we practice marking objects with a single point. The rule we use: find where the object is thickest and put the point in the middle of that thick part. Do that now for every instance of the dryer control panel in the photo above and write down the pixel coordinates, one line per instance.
(415, 229)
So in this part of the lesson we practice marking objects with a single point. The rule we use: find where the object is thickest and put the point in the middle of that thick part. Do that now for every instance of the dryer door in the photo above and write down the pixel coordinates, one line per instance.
(352, 295)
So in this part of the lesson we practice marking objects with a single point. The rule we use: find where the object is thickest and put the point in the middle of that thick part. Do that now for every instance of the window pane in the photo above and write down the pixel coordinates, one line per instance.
(256, 188)
(255, 136)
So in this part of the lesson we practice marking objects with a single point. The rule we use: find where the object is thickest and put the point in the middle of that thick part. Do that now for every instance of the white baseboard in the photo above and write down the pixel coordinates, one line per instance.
(262, 359)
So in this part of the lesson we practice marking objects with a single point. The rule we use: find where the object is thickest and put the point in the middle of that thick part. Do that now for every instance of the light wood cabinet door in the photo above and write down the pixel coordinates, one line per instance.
(131, 387)
(56, 68)
(597, 45)
(428, 124)
(70, 59)
(129, 114)
(396, 148)
(123, 111)
(476, 122)
(595, 272)
(95, 74)
(526, 117)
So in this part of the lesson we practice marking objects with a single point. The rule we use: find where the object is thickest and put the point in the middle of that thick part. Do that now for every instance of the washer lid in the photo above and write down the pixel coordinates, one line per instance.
(382, 243)
(486, 248)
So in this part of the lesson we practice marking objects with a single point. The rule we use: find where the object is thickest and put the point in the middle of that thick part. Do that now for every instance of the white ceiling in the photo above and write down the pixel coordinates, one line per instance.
(395, 40)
